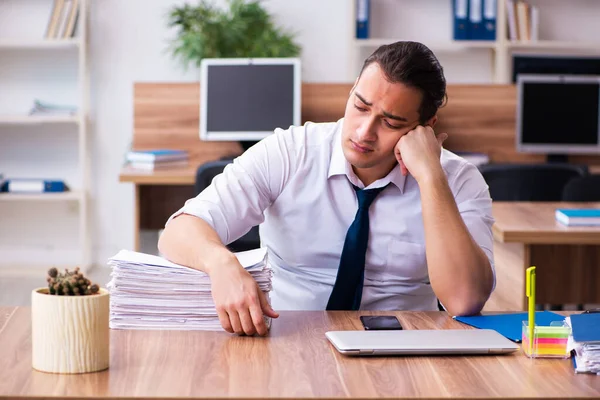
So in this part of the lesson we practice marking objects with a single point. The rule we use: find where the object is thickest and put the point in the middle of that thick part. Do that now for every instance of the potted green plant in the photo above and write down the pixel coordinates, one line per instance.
(69, 319)
(244, 29)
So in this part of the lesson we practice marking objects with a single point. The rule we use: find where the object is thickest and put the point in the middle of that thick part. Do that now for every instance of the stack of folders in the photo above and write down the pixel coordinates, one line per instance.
(584, 342)
(149, 292)
(150, 160)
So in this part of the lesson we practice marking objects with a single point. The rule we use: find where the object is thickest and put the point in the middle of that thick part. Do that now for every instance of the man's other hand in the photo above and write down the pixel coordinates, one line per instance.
(239, 301)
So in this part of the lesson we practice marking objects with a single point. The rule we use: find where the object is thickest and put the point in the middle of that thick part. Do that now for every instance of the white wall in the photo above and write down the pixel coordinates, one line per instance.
(128, 43)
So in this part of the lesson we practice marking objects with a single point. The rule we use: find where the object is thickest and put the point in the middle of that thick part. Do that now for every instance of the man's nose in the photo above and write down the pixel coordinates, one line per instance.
(367, 130)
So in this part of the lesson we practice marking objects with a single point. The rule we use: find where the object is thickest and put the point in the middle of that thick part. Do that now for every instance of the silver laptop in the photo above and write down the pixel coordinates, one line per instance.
(417, 342)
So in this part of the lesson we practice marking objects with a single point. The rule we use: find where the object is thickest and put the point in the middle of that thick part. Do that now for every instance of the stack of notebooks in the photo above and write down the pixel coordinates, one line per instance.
(578, 216)
(149, 292)
(150, 160)
(584, 342)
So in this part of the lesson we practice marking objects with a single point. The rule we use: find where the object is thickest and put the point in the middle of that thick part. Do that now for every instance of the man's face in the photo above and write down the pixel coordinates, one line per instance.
(378, 114)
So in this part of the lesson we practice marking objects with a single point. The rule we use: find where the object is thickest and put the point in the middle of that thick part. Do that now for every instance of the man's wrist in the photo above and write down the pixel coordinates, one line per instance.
(219, 258)
(433, 176)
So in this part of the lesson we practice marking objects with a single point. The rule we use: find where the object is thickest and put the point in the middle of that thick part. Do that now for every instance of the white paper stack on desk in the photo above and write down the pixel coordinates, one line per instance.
(149, 292)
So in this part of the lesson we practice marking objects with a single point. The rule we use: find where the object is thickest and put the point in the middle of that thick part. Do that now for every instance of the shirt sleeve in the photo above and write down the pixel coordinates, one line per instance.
(235, 200)
(474, 203)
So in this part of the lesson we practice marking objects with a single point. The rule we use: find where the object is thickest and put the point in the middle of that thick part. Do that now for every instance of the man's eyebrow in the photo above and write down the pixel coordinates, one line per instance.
(396, 117)
(386, 114)
(363, 99)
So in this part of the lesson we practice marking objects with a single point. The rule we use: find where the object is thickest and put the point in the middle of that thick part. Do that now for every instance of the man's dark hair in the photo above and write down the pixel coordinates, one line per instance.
(414, 65)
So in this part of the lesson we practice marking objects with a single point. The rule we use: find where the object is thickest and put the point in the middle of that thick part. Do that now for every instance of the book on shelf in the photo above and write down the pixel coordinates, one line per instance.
(41, 108)
(63, 19)
(156, 155)
(523, 21)
(578, 216)
(28, 185)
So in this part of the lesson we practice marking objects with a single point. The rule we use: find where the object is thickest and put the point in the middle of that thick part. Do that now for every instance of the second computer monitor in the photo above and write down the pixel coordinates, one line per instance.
(246, 99)
(558, 114)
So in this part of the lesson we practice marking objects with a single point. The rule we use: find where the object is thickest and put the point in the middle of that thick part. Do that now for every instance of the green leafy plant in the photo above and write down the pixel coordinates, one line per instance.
(69, 283)
(245, 29)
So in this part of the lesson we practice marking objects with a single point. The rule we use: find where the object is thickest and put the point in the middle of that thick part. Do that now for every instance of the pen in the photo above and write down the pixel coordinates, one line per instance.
(530, 292)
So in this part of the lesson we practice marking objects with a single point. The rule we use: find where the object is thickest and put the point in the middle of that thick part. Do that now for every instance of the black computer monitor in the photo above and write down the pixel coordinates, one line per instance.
(247, 99)
(558, 114)
(540, 64)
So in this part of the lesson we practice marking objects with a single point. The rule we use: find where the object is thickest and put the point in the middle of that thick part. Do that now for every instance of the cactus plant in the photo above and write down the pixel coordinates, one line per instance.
(70, 283)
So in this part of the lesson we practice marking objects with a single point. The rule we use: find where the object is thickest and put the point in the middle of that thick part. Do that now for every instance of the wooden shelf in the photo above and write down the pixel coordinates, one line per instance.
(554, 44)
(17, 44)
(38, 119)
(59, 196)
(450, 45)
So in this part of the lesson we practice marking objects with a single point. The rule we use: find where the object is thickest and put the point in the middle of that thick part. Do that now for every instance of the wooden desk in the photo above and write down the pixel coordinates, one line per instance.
(160, 193)
(567, 258)
(296, 361)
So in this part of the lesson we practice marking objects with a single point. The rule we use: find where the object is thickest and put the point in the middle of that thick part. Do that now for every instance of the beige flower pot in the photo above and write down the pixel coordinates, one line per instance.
(69, 333)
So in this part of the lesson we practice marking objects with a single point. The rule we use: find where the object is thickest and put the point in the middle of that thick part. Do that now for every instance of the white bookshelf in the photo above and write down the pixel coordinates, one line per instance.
(41, 44)
(71, 196)
(439, 45)
(499, 50)
(22, 46)
(38, 119)
(554, 44)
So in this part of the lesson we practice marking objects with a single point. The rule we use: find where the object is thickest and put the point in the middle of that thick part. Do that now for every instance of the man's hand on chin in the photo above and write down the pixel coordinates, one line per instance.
(418, 153)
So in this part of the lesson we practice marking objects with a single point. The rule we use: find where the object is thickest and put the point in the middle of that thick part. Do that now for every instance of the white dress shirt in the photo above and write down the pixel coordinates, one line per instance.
(297, 185)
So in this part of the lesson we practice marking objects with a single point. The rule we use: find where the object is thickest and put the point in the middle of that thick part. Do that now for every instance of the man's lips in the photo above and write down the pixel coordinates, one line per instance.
(360, 148)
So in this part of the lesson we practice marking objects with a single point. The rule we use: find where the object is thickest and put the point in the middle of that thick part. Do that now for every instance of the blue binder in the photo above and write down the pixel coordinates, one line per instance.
(489, 19)
(460, 10)
(475, 26)
(509, 325)
(586, 327)
(363, 11)
(33, 186)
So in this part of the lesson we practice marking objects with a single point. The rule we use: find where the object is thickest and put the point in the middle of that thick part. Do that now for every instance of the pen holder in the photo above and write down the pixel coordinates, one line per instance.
(548, 341)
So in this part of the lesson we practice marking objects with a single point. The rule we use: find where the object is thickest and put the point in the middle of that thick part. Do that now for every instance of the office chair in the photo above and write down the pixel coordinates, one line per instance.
(584, 188)
(204, 176)
(529, 182)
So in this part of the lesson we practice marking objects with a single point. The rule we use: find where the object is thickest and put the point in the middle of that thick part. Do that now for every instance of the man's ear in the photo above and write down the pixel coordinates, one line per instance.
(432, 121)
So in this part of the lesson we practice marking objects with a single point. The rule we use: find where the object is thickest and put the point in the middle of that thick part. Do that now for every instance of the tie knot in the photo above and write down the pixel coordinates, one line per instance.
(366, 197)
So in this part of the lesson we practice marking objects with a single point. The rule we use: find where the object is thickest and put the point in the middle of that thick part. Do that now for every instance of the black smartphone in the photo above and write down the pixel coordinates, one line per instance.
(380, 322)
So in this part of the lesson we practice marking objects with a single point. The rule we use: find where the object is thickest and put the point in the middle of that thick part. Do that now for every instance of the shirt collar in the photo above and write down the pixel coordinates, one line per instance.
(338, 165)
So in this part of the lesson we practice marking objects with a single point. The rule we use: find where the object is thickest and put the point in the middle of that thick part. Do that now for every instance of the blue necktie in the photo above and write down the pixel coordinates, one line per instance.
(347, 290)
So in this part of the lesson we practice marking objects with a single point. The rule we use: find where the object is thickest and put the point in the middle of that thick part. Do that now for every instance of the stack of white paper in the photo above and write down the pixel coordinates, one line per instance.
(149, 292)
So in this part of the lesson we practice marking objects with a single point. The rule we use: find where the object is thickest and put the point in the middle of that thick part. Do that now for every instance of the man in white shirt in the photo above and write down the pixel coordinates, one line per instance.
(368, 212)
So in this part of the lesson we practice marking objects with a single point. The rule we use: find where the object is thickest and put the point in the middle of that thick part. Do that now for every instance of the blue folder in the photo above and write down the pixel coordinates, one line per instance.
(509, 325)
(586, 327)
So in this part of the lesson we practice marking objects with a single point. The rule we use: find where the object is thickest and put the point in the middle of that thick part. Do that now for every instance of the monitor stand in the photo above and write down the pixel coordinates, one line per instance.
(557, 159)
(247, 144)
